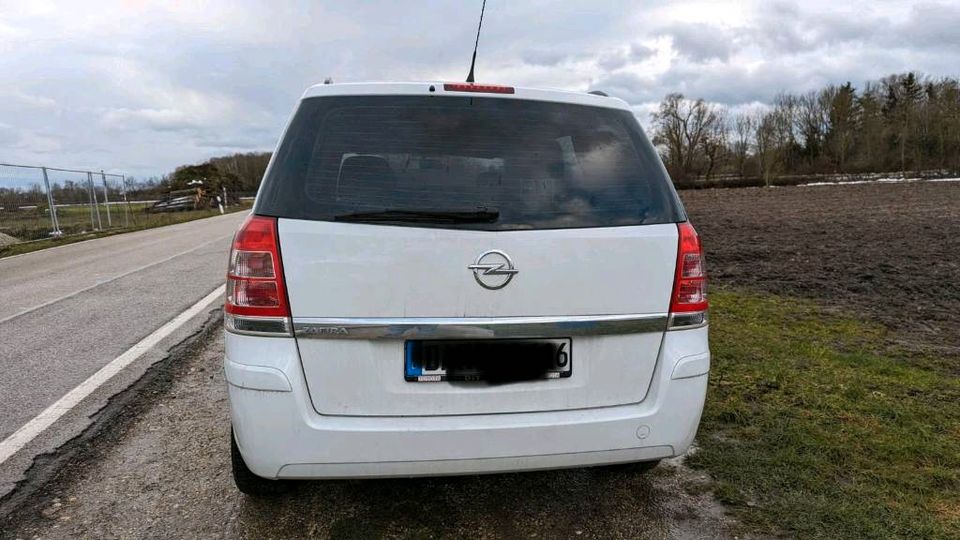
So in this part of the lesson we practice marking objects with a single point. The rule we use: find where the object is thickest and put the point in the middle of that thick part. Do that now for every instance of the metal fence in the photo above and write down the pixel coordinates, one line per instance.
(44, 202)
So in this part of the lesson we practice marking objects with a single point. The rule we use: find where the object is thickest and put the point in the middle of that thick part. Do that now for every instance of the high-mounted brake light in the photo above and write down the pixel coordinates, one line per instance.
(256, 297)
(482, 88)
(688, 304)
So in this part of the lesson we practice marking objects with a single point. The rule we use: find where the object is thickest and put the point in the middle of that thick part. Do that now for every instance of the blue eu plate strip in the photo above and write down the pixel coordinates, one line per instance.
(412, 370)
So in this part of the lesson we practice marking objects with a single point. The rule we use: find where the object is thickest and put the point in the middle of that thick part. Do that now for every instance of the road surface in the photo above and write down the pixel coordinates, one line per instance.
(68, 311)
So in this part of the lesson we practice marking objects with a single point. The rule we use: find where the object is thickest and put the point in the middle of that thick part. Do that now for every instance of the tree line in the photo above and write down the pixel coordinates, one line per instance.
(239, 173)
(900, 123)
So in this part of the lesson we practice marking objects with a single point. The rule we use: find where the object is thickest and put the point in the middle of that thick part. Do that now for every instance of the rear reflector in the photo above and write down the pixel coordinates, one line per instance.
(256, 296)
(482, 88)
(689, 300)
(257, 326)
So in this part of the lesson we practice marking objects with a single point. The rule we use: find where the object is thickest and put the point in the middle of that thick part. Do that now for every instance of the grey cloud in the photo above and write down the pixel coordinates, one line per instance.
(731, 85)
(702, 42)
(629, 87)
(936, 25)
(776, 27)
(639, 53)
(153, 119)
(8, 135)
(544, 57)
(736, 85)
(613, 60)
(783, 27)
(619, 57)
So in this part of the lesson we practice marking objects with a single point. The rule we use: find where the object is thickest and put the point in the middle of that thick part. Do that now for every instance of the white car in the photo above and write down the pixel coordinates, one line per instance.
(443, 279)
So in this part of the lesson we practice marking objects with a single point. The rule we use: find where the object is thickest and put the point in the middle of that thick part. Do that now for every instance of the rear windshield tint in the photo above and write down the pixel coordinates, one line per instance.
(536, 165)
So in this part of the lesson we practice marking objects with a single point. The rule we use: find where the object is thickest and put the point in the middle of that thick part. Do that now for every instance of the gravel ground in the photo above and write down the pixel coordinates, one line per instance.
(884, 252)
(163, 471)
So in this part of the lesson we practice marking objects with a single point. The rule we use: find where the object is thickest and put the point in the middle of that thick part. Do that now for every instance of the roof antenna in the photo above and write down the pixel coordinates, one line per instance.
(477, 42)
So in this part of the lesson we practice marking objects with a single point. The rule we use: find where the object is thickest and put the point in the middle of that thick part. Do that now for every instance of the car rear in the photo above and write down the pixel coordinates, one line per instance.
(449, 279)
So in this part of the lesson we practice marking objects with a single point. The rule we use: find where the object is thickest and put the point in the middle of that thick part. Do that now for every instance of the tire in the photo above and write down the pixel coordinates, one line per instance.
(249, 483)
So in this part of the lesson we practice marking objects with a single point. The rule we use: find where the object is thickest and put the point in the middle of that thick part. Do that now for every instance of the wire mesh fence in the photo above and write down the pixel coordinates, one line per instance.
(38, 203)
(45, 202)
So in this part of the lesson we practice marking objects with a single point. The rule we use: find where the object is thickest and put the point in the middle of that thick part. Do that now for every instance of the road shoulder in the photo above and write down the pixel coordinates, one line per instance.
(46, 458)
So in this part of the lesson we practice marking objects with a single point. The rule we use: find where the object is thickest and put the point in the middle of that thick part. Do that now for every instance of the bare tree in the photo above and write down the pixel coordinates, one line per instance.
(812, 121)
(680, 127)
(714, 142)
(743, 131)
(765, 146)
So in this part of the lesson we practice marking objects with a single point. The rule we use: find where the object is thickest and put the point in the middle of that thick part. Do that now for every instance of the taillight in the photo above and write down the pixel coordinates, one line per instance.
(688, 304)
(483, 88)
(256, 298)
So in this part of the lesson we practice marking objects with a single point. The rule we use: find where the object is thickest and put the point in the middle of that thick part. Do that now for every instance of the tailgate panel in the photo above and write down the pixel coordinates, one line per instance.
(358, 271)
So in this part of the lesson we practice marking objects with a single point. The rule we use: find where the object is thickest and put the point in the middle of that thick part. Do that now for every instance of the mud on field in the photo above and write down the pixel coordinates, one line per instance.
(884, 252)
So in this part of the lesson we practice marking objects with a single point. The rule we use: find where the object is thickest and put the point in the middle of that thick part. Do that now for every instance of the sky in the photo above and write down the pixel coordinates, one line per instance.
(139, 87)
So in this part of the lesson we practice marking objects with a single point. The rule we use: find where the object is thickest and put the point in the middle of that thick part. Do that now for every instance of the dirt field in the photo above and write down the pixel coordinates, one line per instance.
(885, 252)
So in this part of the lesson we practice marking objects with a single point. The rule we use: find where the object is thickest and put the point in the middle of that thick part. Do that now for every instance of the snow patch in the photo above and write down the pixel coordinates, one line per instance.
(881, 181)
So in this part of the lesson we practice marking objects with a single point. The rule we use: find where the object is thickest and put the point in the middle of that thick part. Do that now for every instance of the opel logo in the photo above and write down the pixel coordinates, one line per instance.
(493, 269)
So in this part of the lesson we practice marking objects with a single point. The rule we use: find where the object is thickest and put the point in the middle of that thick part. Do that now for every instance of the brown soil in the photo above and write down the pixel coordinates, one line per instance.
(884, 252)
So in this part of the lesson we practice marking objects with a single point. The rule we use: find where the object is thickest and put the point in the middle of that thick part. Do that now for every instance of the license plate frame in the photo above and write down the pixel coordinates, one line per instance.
(420, 365)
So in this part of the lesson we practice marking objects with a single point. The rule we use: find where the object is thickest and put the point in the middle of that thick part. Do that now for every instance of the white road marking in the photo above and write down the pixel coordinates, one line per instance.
(51, 414)
(114, 278)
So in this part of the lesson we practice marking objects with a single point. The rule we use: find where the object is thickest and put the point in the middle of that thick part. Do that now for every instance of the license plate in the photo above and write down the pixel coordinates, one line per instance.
(492, 360)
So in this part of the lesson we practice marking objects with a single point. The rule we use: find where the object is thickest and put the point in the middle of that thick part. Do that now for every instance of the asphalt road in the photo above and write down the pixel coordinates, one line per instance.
(66, 312)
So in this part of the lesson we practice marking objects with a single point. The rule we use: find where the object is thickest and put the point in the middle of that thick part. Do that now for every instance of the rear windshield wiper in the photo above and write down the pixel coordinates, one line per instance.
(483, 215)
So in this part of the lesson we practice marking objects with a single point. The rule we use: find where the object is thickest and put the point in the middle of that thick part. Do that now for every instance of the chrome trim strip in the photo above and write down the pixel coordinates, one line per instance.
(476, 327)
(234, 324)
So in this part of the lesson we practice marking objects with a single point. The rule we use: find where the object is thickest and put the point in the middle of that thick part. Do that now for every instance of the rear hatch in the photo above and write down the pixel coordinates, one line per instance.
(385, 202)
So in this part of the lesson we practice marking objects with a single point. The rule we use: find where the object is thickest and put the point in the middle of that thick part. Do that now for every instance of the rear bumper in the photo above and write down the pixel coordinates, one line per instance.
(280, 435)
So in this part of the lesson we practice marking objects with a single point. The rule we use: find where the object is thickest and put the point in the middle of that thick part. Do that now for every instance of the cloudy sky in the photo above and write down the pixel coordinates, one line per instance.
(140, 87)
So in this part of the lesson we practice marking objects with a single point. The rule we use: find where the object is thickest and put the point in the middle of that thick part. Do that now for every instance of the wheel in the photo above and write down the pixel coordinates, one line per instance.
(248, 482)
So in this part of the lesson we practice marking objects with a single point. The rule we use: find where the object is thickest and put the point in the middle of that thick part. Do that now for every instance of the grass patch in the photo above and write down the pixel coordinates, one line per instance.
(814, 427)
(138, 222)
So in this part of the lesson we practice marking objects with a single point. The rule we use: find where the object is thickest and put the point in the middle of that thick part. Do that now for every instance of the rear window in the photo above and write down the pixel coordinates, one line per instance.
(533, 165)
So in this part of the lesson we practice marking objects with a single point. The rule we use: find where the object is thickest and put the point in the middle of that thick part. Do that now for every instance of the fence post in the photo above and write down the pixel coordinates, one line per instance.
(97, 225)
(93, 221)
(126, 203)
(106, 197)
(50, 203)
